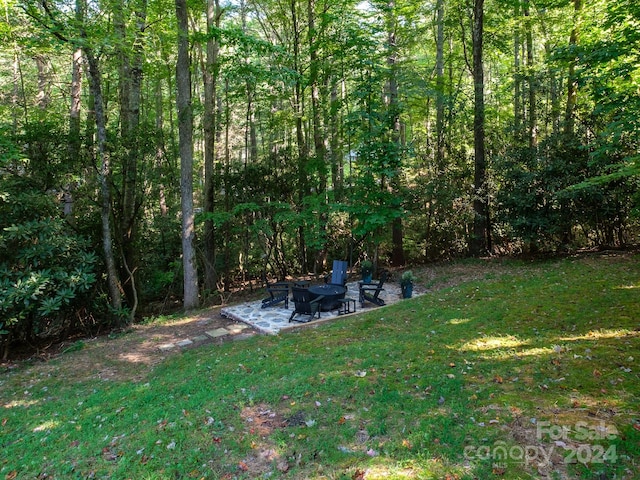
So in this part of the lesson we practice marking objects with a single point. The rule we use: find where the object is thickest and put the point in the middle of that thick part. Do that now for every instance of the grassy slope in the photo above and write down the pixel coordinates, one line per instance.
(427, 388)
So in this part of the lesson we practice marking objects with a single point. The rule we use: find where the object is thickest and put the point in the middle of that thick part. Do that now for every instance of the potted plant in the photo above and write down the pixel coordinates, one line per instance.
(366, 268)
(406, 284)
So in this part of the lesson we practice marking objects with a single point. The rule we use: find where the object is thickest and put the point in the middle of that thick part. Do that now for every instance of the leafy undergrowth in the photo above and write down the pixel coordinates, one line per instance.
(530, 371)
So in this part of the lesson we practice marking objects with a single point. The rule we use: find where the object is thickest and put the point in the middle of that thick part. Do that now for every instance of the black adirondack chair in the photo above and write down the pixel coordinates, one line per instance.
(305, 303)
(278, 292)
(369, 292)
(339, 273)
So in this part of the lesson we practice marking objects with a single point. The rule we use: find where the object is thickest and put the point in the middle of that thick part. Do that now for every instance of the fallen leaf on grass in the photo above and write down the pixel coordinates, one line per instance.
(499, 470)
(358, 475)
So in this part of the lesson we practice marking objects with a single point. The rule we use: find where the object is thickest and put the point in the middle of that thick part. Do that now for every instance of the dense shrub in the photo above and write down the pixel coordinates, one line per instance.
(46, 273)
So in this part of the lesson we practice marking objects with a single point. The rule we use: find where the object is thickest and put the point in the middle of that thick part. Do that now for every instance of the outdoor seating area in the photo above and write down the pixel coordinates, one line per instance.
(311, 302)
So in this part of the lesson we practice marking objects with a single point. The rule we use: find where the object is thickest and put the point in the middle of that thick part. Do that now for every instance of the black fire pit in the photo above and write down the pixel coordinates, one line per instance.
(331, 293)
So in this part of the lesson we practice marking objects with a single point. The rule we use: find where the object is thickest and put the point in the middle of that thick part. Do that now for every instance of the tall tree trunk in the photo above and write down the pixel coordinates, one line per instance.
(532, 124)
(572, 81)
(210, 74)
(314, 71)
(440, 137)
(130, 86)
(74, 141)
(517, 77)
(160, 148)
(319, 144)
(480, 239)
(334, 125)
(185, 128)
(303, 184)
(104, 175)
(74, 109)
(397, 235)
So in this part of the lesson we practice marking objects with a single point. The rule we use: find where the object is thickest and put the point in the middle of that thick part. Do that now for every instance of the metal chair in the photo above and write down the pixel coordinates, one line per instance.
(305, 303)
(369, 292)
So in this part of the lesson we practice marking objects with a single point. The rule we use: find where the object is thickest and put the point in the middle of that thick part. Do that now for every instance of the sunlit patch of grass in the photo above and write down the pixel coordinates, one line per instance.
(491, 343)
(20, 403)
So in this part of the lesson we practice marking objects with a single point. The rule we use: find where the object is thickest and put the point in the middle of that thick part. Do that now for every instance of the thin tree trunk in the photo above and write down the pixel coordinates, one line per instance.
(210, 74)
(130, 86)
(74, 109)
(532, 124)
(300, 137)
(480, 240)
(517, 77)
(440, 87)
(185, 128)
(314, 69)
(104, 174)
(160, 148)
(397, 235)
(572, 81)
(334, 125)
(319, 144)
(74, 141)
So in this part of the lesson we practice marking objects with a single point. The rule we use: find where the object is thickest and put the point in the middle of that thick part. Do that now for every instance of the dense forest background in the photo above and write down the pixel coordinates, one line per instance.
(153, 150)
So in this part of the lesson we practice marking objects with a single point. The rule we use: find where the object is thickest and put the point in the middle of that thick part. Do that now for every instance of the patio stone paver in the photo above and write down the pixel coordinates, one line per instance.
(201, 338)
(218, 332)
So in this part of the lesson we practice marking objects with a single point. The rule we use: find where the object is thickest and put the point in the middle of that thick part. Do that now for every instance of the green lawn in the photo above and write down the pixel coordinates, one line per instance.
(528, 371)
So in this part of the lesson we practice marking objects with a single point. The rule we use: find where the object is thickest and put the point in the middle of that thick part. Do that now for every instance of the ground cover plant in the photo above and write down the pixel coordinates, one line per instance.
(525, 370)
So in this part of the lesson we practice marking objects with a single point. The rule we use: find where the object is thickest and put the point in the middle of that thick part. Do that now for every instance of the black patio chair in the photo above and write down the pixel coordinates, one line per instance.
(338, 274)
(278, 292)
(305, 303)
(369, 292)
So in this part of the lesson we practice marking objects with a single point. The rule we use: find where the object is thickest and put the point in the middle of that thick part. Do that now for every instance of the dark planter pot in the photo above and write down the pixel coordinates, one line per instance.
(407, 290)
(366, 277)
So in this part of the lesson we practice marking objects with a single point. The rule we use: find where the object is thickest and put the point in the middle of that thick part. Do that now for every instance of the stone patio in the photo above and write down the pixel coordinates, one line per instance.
(274, 319)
